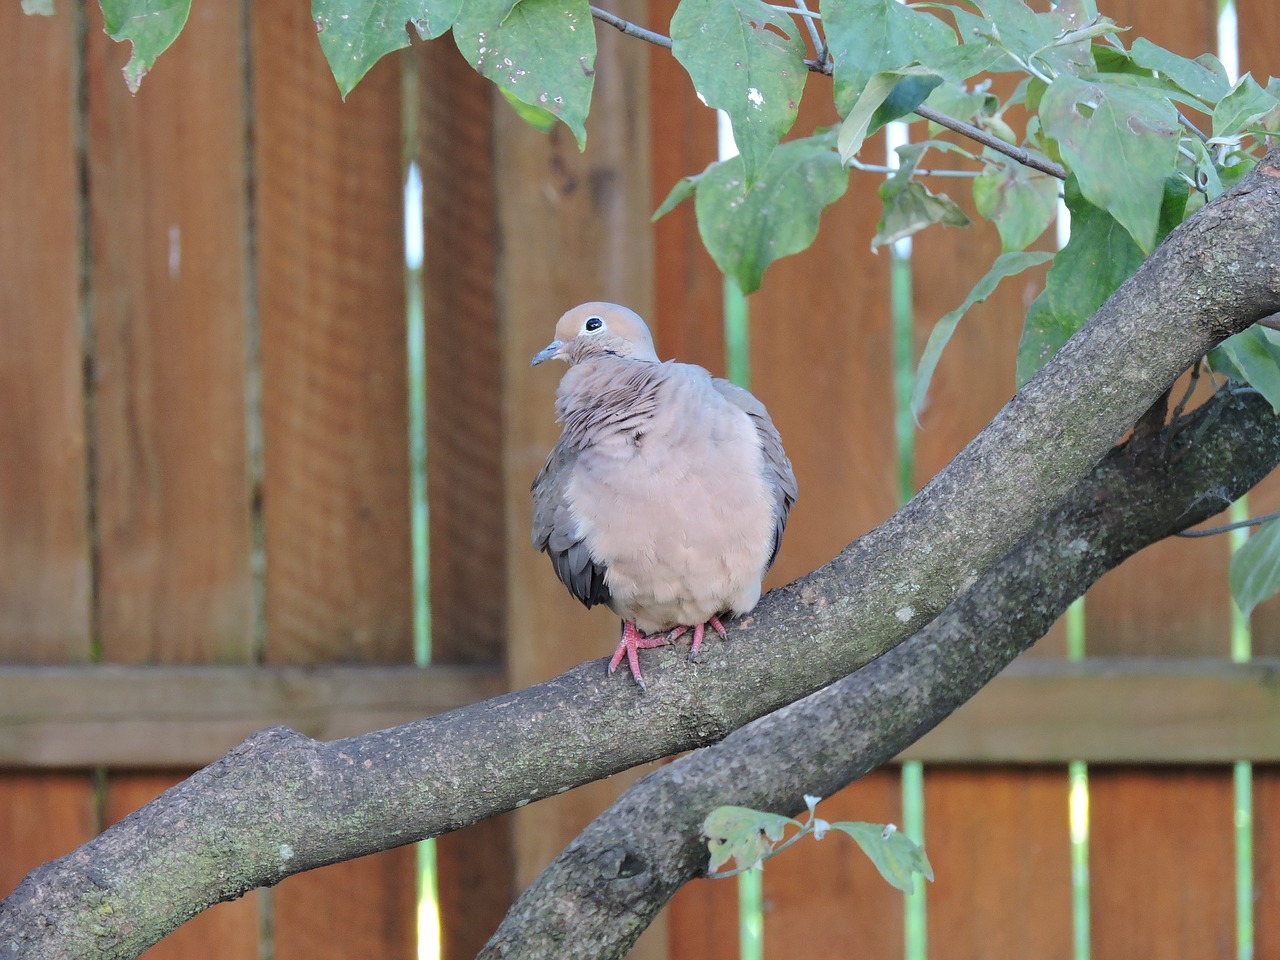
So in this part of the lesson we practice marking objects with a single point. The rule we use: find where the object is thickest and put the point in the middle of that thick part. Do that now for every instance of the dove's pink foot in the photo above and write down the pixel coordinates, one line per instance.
(633, 640)
(698, 631)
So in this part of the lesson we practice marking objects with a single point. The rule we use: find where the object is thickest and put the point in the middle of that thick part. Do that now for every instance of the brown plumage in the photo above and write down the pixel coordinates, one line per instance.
(668, 491)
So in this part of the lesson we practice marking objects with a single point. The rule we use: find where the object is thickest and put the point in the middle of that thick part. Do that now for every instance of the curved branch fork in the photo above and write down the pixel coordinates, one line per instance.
(280, 803)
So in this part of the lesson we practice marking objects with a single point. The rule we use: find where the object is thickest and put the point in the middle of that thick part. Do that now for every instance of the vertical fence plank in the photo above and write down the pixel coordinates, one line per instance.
(571, 227)
(1259, 32)
(167, 233)
(1259, 29)
(44, 546)
(822, 362)
(331, 280)
(1266, 860)
(1161, 842)
(828, 895)
(44, 542)
(329, 210)
(987, 891)
(464, 447)
(1001, 852)
(688, 289)
(170, 289)
(702, 919)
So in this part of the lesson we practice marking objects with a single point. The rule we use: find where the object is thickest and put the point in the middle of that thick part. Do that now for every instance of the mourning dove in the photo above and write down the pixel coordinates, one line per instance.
(668, 491)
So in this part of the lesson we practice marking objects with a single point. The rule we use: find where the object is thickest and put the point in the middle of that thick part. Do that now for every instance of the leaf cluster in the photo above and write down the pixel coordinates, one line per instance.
(750, 837)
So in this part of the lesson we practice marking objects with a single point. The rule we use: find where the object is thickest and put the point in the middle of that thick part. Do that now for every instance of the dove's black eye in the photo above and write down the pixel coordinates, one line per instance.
(593, 324)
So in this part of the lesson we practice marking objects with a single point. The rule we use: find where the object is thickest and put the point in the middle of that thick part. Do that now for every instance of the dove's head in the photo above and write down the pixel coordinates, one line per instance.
(599, 329)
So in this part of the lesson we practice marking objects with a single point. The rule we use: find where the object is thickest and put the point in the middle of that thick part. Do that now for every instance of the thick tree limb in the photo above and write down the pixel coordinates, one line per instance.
(280, 803)
(600, 893)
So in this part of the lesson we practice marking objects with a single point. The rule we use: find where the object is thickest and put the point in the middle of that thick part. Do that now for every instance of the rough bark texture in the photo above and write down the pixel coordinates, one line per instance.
(596, 898)
(280, 803)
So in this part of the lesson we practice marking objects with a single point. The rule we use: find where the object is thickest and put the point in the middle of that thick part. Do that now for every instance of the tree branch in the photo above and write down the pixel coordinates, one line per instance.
(599, 894)
(280, 803)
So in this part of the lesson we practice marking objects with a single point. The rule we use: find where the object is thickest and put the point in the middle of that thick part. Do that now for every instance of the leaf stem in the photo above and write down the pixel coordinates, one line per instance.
(801, 9)
(881, 168)
(1024, 157)
(1227, 527)
(630, 29)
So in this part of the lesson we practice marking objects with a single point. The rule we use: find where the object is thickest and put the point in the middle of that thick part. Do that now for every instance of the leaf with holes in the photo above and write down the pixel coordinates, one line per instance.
(1255, 568)
(746, 59)
(1058, 39)
(542, 52)
(1121, 142)
(37, 8)
(1021, 202)
(150, 25)
(356, 34)
(898, 858)
(742, 834)
(909, 206)
(1006, 265)
(746, 231)
(867, 37)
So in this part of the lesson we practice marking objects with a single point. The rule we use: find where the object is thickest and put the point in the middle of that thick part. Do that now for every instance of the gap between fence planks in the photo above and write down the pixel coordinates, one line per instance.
(1104, 710)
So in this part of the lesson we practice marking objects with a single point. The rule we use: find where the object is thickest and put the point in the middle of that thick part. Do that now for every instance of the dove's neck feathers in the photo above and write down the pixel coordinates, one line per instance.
(609, 397)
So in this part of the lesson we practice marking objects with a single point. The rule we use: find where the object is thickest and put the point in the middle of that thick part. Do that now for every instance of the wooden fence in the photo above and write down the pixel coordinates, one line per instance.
(205, 475)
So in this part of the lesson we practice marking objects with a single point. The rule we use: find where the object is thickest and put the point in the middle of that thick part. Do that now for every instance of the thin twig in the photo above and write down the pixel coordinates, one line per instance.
(823, 65)
(1171, 433)
(819, 45)
(1024, 157)
(630, 29)
(1228, 527)
(857, 164)
(799, 10)
(1204, 138)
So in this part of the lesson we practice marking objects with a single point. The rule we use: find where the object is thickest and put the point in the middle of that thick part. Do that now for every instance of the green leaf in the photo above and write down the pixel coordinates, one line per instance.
(746, 231)
(746, 59)
(1255, 352)
(1243, 107)
(853, 131)
(1206, 80)
(908, 206)
(1006, 265)
(356, 34)
(1255, 568)
(1098, 258)
(682, 191)
(1121, 142)
(150, 25)
(955, 100)
(907, 94)
(1059, 39)
(742, 834)
(540, 118)
(38, 8)
(1021, 202)
(542, 52)
(867, 37)
(896, 856)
